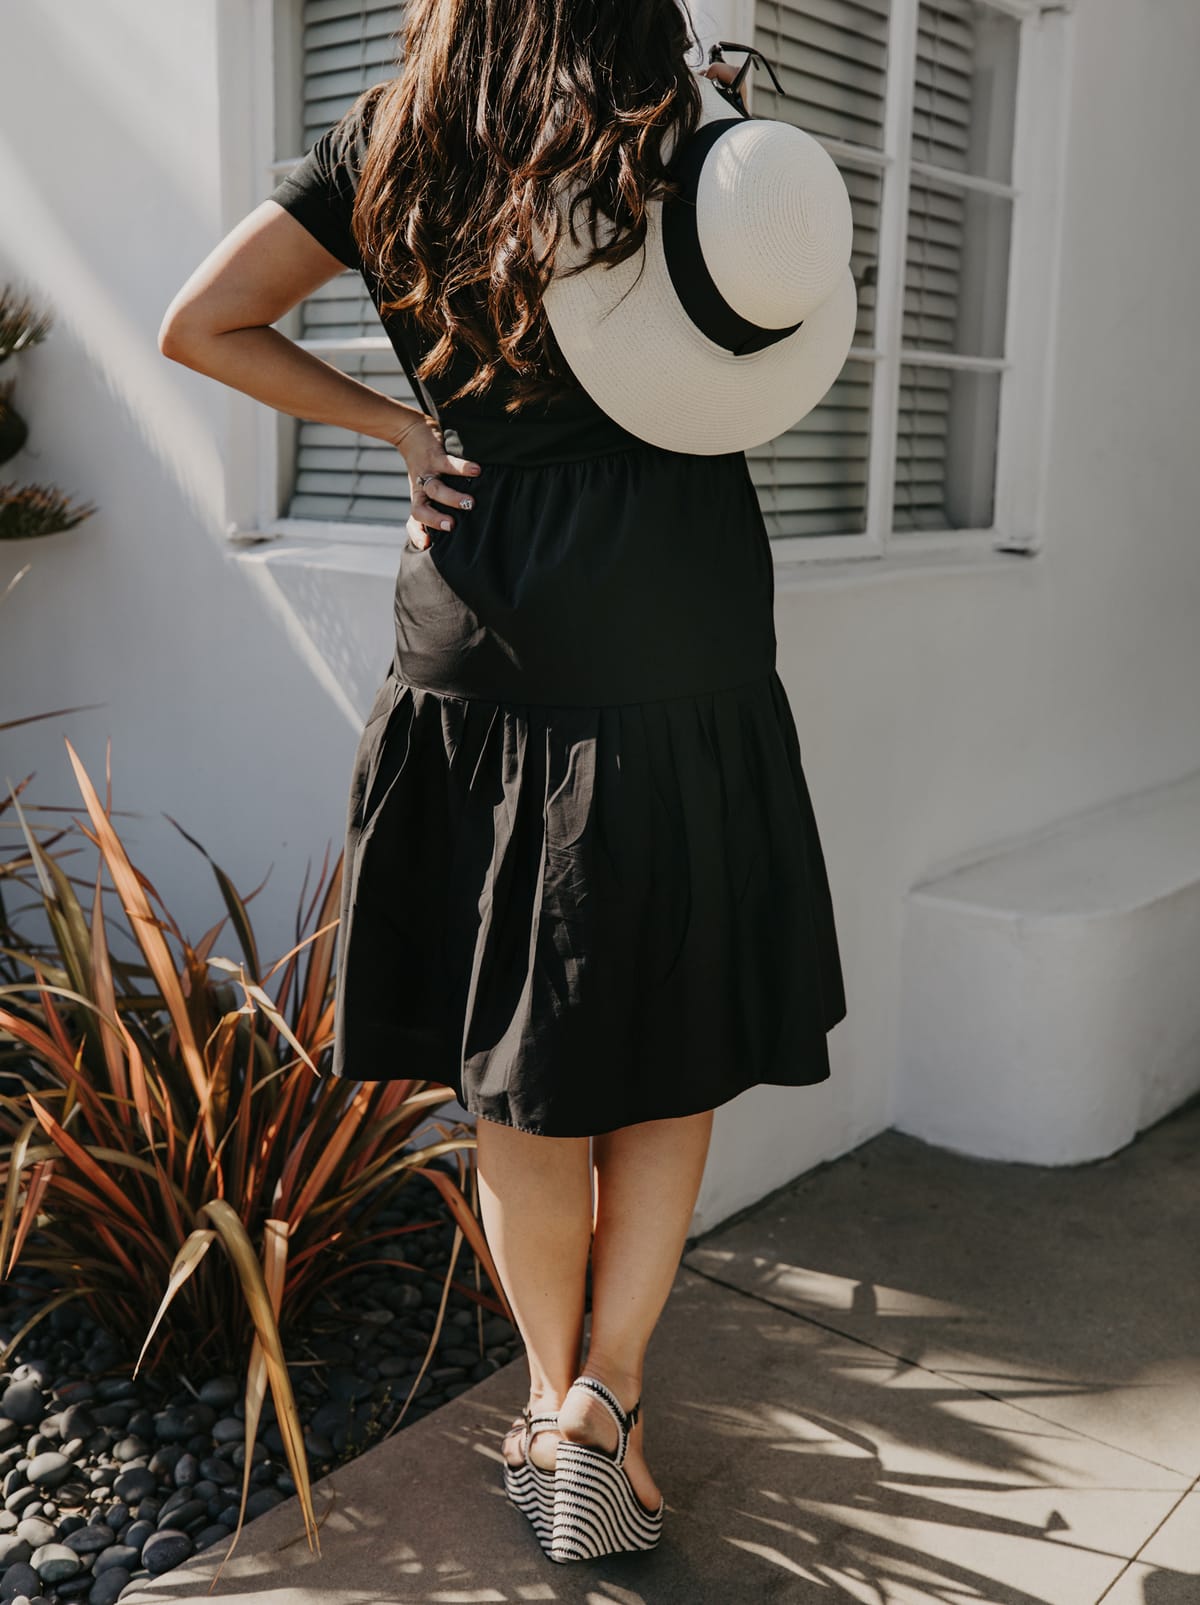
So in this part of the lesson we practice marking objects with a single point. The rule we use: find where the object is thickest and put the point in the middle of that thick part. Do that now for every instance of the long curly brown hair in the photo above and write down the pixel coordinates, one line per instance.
(496, 105)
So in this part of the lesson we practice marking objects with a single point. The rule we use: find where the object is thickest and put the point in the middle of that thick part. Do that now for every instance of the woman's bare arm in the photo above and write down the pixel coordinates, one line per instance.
(219, 323)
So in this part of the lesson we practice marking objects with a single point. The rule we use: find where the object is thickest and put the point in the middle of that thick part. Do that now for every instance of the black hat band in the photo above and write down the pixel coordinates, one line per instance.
(693, 283)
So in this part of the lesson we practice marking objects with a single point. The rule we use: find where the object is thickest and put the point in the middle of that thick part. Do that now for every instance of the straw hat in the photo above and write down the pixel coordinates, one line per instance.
(737, 315)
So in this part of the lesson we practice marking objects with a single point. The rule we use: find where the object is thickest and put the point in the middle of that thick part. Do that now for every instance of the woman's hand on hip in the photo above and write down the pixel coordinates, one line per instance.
(425, 457)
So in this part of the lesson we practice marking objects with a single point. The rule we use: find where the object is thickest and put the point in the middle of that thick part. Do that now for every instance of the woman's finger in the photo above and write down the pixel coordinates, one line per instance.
(426, 513)
(429, 512)
(458, 465)
(435, 491)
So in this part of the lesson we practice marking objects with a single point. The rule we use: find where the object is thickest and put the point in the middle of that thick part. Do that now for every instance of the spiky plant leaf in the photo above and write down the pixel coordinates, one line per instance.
(164, 1109)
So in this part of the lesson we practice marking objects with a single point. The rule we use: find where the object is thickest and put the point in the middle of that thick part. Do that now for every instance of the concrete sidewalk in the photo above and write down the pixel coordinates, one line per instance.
(909, 1377)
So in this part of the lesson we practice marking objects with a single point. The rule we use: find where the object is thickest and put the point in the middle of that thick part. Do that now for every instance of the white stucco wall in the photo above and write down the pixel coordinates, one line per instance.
(110, 188)
(940, 709)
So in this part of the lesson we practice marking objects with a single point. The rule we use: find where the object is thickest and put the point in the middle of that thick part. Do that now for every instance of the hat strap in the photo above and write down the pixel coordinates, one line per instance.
(693, 283)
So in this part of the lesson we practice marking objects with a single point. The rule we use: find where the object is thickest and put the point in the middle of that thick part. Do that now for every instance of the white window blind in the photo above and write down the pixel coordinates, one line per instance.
(959, 75)
(831, 59)
(346, 46)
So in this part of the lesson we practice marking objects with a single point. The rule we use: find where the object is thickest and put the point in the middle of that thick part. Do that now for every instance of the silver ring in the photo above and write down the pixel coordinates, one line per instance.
(421, 478)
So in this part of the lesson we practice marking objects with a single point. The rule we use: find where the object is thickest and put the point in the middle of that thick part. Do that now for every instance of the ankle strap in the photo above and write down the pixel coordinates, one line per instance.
(534, 1425)
(625, 1419)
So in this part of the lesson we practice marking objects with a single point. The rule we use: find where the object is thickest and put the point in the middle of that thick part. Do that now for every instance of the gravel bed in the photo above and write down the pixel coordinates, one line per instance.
(108, 1480)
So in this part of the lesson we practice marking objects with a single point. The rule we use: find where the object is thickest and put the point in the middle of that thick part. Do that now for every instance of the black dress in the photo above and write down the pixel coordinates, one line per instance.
(583, 884)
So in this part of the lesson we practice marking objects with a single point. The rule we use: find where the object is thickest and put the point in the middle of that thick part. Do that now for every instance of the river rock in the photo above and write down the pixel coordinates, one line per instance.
(48, 1469)
(115, 1414)
(55, 1563)
(36, 1530)
(77, 1421)
(137, 1532)
(214, 1469)
(238, 1454)
(215, 1533)
(20, 1578)
(396, 1365)
(220, 1392)
(14, 1547)
(191, 1513)
(177, 1426)
(318, 1446)
(460, 1356)
(166, 1549)
(107, 1587)
(109, 1388)
(124, 1555)
(89, 1540)
(135, 1484)
(347, 1386)
(262, 1500)
(78, 1587)
(166, 1457)
(22, 1402)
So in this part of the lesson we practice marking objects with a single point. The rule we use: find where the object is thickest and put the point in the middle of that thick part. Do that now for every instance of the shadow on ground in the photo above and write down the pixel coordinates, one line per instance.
(909, 1377)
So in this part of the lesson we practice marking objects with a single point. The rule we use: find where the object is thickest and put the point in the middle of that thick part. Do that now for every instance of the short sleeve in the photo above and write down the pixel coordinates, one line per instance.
(319, 191)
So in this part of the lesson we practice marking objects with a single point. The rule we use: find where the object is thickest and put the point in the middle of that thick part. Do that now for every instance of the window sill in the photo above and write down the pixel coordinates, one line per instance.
(339, 556)
(372, 557)
(816, 573)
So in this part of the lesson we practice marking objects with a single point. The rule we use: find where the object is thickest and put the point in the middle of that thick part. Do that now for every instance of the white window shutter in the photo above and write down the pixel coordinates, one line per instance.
(347, 46)
(831, 58)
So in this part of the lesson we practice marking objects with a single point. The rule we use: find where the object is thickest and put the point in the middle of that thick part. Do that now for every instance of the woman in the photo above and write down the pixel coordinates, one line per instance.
(583, 886)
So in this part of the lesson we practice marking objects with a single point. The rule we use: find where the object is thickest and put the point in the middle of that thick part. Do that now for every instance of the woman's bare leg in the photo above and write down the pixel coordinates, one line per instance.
(535, 1200)
(647, 1179)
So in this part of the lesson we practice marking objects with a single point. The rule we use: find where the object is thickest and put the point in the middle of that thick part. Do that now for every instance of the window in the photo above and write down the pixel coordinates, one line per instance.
(917, 102)
(327, 52)
(944, 117)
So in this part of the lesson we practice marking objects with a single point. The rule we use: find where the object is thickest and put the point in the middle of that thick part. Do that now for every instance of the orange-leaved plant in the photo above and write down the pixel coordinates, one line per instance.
(162, 1109)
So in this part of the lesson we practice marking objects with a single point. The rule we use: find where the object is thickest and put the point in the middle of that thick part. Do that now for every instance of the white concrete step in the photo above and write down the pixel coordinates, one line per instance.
(1051, 992)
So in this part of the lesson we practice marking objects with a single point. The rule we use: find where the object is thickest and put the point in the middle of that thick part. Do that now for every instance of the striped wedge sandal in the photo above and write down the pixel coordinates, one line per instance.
(529, 1486)
(596, 1511)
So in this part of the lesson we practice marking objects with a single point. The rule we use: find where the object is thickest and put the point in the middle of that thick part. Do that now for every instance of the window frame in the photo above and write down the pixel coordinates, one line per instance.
(1034, 252)
(1026, 382)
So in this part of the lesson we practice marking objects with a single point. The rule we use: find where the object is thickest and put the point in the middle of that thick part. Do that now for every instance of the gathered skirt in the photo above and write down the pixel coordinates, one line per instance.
(583, 883)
